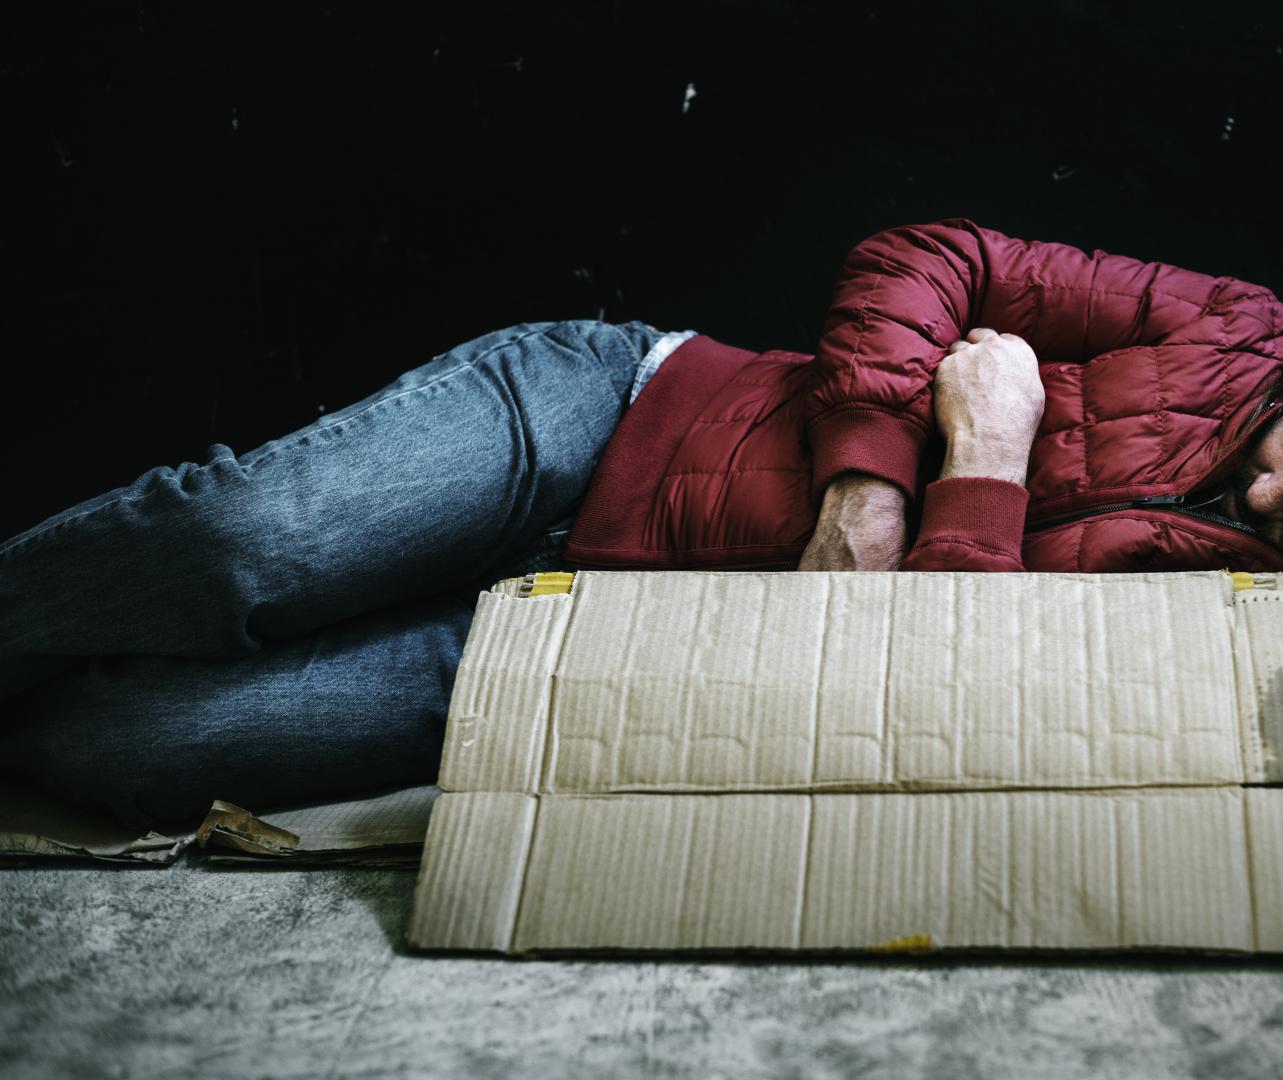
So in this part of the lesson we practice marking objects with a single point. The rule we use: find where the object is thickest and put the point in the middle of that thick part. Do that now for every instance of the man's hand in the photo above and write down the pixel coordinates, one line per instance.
(988, 402)
(860, 527)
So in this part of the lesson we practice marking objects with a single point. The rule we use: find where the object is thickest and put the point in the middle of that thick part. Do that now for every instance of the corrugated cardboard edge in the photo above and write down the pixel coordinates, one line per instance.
(516, 667)
(468, 892)
(1265, 847)
(1258, 661)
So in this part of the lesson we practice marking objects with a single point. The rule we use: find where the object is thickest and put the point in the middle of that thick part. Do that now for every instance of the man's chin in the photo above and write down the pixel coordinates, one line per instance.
(1271, 532)
(1234, 506)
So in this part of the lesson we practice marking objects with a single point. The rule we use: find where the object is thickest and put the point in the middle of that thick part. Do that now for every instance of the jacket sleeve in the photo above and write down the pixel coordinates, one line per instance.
(970, 523)
(904, 295)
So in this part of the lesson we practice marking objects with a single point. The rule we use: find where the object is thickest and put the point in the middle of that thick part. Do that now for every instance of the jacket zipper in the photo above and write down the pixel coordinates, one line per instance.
(1174, 503)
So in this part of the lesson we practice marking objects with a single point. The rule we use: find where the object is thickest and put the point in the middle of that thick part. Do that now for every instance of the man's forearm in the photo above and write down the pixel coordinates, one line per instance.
(860, 526)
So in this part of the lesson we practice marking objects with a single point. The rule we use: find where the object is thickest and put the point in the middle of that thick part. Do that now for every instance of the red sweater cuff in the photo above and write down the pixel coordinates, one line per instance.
(976, 511)
(865, 441)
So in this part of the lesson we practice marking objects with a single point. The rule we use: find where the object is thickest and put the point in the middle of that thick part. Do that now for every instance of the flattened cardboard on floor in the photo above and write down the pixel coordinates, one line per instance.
(382, 830)
(852, 761)
(34, 824)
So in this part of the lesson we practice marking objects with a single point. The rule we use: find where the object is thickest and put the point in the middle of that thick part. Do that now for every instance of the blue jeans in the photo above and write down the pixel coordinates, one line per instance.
(285, 625)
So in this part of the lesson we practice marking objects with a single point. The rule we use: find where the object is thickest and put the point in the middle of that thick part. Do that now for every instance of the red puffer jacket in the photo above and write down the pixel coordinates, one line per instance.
(1155, 379)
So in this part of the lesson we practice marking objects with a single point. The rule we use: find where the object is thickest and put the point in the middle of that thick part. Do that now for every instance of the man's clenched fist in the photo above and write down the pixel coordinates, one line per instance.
(988, 402)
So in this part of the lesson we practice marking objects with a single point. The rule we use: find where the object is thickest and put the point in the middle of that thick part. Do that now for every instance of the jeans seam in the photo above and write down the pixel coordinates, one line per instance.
(21, 541)
(470, 365)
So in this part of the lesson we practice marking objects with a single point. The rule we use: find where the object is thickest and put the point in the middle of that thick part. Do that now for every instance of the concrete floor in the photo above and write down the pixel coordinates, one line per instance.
(194, 971)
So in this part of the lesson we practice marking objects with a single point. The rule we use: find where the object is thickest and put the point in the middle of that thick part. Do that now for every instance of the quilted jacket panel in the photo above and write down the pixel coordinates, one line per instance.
(1150, 370)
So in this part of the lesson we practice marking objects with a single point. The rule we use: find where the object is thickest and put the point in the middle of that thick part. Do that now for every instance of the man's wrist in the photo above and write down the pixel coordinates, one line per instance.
(984, 459)
(860, 526)
(859, 493)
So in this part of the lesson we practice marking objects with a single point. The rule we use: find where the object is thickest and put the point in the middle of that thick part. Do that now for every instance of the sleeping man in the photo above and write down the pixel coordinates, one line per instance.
(284, 625)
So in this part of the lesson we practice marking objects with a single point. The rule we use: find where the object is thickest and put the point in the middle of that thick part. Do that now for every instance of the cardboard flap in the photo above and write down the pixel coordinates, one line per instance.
(1258, 657)
(498, 718)
(469, 889)
(846, 682)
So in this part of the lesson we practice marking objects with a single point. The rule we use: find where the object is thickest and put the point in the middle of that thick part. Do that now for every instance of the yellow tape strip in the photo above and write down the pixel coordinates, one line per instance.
(1242, 580)
(552, 583)
(913, 943)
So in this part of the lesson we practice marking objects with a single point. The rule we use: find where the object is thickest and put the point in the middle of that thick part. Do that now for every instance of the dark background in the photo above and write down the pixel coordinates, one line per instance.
(226, 219)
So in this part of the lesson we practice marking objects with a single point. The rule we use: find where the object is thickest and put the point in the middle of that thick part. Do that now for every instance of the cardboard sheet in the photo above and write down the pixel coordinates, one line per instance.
(853, 761)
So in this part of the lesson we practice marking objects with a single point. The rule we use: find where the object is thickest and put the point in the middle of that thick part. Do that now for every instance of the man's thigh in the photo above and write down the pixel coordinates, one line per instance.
(451, 470)
(150, 739)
